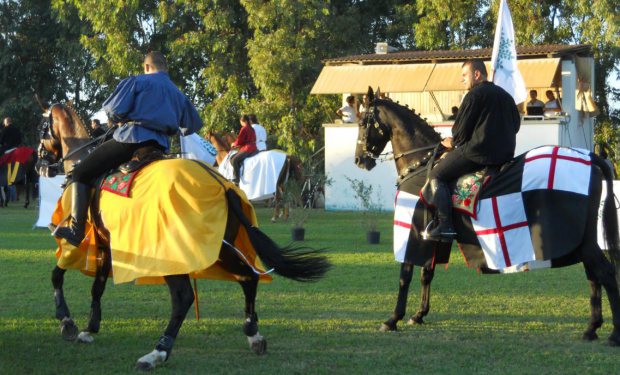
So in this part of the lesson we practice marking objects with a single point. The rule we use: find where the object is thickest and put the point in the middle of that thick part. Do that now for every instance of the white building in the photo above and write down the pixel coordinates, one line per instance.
(430, 83)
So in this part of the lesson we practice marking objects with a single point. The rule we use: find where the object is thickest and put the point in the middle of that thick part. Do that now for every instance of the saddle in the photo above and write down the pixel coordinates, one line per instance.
(465, 192)
(142, 157)
(119, 182)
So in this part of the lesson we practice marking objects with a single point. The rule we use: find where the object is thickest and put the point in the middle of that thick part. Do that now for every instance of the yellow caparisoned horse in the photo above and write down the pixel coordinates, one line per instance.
(177, 219)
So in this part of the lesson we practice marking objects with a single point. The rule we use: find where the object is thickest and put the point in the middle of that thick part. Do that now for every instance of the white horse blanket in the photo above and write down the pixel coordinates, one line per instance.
(259, 173)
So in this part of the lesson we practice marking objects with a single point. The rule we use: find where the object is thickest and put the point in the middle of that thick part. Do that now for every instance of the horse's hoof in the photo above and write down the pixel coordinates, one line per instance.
(258, 344)
(85, 337)
(151, 360)
(273, 219)
(68, 329)
(415, 320)
(589, 336)
(385, 327)
(614, 339)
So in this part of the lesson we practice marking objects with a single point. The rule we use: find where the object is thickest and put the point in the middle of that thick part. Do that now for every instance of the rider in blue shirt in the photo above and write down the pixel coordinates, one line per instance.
(147, 109)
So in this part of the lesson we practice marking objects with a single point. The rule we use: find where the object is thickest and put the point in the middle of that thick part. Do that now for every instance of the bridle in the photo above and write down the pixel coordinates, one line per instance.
(370, 121)
(50, 163)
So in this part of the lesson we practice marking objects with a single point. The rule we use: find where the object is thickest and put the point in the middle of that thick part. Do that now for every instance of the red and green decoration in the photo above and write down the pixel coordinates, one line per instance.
(119, 183)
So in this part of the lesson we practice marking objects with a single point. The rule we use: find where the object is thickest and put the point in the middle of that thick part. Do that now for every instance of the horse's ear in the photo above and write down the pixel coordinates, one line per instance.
(370, 96)
(70, 103)
(378, 93)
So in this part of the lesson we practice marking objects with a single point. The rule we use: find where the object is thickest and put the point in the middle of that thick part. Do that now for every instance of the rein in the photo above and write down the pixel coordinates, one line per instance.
(410, 170)
(85, 145)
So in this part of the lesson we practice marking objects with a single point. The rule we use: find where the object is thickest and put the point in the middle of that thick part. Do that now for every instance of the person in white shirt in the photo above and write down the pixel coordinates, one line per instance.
(552, 106)
(261, 133)
(349, 112)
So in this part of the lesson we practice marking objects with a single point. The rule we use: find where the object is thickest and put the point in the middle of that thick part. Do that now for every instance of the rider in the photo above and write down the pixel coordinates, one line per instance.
(147, 108)
(246, 143)
(484, 134)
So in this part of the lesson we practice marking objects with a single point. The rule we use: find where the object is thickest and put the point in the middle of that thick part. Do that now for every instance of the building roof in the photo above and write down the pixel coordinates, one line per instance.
(404, 57)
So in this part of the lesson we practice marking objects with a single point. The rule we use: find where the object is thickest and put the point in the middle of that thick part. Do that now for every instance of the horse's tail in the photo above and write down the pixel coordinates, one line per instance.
(296, 263)
(610, 215)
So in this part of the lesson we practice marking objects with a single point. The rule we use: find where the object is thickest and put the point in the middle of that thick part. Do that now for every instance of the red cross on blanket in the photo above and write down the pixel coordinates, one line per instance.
(501, 228)
(552, 167)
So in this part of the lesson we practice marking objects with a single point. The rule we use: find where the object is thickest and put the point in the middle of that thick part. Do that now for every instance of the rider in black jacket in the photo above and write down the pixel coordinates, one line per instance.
(484, 134)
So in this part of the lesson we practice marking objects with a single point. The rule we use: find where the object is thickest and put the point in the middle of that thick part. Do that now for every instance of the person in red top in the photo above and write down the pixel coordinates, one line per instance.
(246, 144)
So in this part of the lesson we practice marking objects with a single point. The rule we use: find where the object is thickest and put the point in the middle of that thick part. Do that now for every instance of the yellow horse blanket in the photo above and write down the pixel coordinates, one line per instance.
(172, 222)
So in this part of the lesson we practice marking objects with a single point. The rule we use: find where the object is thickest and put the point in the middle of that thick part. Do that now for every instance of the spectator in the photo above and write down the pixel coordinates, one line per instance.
(534, 107)
(98, 131)
(362, 105)
(349, 112)
(455, 111)
(534, 102)
(11, 136)
(552, 106)
(261, 133)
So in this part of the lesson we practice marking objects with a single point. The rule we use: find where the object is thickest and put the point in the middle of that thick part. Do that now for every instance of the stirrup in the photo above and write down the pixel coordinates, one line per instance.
(443, 237)
(69, 233)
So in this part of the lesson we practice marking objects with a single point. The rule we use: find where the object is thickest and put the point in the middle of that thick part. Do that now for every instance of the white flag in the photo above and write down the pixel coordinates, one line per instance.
(504, 58)
(195, 147)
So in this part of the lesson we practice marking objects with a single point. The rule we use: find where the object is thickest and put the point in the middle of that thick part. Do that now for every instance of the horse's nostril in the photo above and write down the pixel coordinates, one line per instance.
(357, 160)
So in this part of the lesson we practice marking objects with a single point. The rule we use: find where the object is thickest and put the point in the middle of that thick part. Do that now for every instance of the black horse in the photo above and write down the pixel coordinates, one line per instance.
(63, 141)
(414, 146)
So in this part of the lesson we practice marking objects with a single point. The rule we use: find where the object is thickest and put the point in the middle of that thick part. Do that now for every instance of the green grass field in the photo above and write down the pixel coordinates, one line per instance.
(528, 323)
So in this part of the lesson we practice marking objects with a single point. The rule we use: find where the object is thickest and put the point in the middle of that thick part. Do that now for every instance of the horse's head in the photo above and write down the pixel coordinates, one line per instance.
(60, 131)
(373, 134)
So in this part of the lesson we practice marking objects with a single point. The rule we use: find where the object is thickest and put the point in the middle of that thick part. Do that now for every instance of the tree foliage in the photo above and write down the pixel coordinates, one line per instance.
(241, 56)
(39, 54)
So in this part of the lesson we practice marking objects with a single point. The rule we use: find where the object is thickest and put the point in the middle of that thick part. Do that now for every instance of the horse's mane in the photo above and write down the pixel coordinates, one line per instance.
(78, 125)
(412, 121)
(77, 120)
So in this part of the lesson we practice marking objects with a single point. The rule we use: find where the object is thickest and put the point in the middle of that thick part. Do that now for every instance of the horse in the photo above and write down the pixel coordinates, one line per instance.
(211, 225)
(17, 168)
(291, 168)
(415, 143)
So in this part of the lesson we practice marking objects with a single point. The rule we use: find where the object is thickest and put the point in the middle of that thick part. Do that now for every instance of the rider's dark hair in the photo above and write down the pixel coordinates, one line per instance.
(253, 119)
(476, 64)
(245, 118)
(156, 59)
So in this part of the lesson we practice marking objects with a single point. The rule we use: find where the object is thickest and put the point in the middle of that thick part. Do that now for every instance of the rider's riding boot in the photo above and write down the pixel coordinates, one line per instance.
(74, 233)
(444, 231)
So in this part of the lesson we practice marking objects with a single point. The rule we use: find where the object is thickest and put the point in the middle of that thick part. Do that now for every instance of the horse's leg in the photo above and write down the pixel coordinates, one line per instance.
(248, 280)
(101, 277)
(599, 270)
(257, 343)
(28, 188)
(426, 277)
(596, 311)
(406, 272)
(68, 329)
(602, 272)
(276, 205)
(182, 296)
